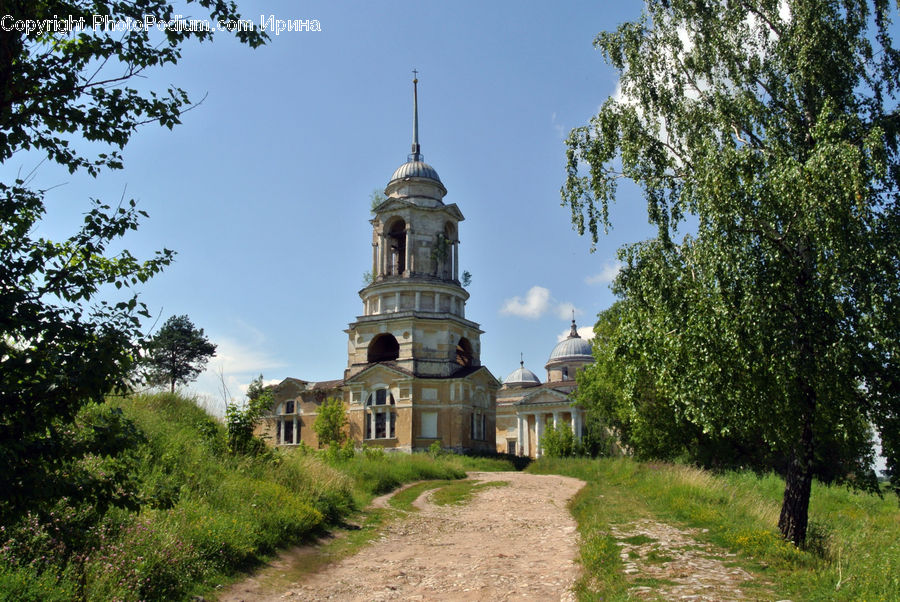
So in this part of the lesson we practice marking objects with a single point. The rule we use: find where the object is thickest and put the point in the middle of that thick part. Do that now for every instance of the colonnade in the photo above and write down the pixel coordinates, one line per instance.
(523, 444)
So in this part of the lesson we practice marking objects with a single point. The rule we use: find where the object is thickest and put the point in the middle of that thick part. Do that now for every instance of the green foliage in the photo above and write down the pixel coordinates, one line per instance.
(466, 279)
(67, 338)
(176, 354)
(851, 552)
(435, 450)
(376, 198)
(330, 422)
(241, 420)
(558, 441)
(775, 132)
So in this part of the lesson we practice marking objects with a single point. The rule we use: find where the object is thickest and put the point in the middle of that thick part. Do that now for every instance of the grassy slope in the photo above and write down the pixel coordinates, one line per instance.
(202, 514)
(854, 544)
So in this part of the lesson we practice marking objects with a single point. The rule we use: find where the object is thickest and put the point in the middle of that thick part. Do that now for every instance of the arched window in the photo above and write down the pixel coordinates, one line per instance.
(287, 424)
(383, 348)
(464, 354)
(381, 419)
(565, 373)
(396, 238)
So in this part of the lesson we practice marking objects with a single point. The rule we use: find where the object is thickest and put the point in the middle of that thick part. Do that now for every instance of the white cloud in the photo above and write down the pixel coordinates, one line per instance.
(606, 275)
(535, 304)
(228, 374)
(585, 332)
(566, 310)
(560, 130)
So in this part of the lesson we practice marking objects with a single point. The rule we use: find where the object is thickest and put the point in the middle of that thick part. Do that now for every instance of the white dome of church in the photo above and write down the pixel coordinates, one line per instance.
(415, 169)
(572, 347)
(522, 377)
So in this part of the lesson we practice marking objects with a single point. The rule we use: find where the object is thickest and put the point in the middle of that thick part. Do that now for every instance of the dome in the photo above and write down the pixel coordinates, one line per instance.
(572, 347)
(415, 169)
(522, 376)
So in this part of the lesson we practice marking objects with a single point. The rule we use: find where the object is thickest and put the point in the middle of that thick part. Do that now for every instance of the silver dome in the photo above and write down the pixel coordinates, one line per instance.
(572, 347)
(415, 169)
(522, 376)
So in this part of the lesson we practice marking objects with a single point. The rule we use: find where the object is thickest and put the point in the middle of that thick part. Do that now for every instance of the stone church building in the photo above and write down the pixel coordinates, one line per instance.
(414, 375)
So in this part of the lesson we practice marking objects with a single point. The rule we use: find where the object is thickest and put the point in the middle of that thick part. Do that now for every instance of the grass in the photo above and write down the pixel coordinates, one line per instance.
(852, 552)
(460, 492)
(191, 516)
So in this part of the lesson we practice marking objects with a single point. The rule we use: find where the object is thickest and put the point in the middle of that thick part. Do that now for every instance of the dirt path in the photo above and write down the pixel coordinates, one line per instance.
(513, 542)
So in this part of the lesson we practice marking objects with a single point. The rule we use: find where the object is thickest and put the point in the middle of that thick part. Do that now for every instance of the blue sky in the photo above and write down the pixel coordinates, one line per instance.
(264, 189)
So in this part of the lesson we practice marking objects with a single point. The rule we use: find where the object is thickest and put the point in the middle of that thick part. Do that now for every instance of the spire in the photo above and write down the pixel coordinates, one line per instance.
(416, 150)
(521, 360)
(573, 334)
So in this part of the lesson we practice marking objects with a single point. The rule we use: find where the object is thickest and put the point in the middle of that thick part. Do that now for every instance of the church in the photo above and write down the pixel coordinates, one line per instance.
(414, 375)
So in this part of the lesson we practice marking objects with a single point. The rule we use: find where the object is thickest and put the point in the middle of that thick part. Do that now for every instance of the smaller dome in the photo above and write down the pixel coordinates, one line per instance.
(522, 377)
(415, 169)
(572, 347)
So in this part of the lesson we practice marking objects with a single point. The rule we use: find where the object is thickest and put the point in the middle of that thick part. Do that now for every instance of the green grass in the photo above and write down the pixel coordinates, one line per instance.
(460, 492)
(192, 516)
(852, 553)
(403, 500)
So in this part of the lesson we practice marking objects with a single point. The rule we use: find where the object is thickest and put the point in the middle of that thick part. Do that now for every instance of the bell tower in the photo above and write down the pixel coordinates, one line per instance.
(413, 337)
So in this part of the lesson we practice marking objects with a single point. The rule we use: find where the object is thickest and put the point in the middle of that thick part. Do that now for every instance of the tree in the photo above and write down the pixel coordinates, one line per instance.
(241, 420)
(65, 338)
(177, 353)
(330, 422)
(773, 126)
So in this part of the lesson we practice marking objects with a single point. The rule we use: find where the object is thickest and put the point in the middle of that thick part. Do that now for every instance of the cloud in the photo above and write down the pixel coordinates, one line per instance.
(560, 130)
(566, 310)
(228, 374)
(606, 275)
(585, 332)
(535, 304)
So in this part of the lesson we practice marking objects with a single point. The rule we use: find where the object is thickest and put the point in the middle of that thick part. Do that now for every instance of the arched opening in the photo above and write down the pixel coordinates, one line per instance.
(464, 354)
(381, 420)
(396, 237)
(383, 348)
(450, 259)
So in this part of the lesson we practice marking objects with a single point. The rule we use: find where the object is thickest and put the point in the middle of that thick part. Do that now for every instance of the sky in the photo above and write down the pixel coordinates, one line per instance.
(264, 189)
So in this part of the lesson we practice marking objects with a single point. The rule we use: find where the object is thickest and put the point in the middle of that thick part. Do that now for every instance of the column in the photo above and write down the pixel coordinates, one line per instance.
(397, 301)
(456, 260)
(579, 423)
(519, 449)
(538, 433)
(407, 271)
(573, 419)
(418, 300)
(452, 305)
(371, 425)
(555, 420)
(526, 447)
(374, 260)
(384, 255)
(437, 302)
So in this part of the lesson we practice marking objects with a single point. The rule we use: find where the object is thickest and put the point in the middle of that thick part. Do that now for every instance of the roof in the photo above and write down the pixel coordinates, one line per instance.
(572, 347)
(521, 376)
(415, 169)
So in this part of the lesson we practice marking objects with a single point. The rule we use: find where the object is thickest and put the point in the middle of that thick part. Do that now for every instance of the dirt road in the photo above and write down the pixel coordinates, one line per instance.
(512, 542)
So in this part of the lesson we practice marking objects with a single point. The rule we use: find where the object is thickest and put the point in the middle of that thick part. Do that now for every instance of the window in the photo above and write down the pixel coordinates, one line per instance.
(287, 425)
(383, 348)
(429, 425)
(511, 447)
(381, 420)
(477, 426)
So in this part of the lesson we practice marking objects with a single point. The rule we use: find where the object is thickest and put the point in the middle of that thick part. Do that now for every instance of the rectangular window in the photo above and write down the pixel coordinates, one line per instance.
(511, 447)
(393, 431)
(288, 432)
(429, 425)
(380, 397)
(477, 426)
(380, 425)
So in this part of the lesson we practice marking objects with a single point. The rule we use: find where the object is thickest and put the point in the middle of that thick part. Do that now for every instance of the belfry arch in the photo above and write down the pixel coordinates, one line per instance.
(383, 348)
(395, 237)
(464, 354)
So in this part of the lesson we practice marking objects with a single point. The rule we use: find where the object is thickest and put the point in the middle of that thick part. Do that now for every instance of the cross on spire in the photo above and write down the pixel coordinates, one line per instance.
(416, 149)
